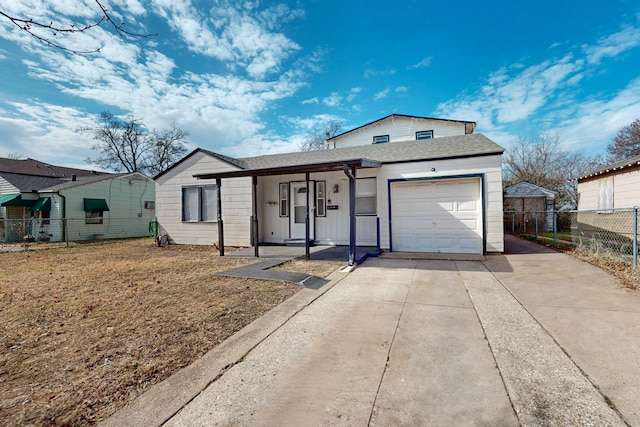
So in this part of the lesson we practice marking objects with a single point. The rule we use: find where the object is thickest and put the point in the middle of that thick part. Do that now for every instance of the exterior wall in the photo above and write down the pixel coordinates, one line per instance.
(127, 216)
(334, 228)
(625, 190)
(399, 129)
(236, 204)
(6, 188)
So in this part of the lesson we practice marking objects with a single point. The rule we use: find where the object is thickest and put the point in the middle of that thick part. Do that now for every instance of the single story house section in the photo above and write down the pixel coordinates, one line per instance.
(440, 195)
(73, 204)
(613, 186)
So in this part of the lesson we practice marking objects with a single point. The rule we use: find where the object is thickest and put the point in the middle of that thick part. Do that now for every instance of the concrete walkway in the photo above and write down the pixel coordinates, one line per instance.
(517, 339)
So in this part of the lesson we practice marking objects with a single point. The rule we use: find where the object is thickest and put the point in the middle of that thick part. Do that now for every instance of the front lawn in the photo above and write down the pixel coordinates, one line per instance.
(86, 329)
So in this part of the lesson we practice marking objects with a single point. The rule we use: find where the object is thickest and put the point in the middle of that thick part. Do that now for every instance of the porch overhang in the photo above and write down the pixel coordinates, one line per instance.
(15, 200)
(332, 166)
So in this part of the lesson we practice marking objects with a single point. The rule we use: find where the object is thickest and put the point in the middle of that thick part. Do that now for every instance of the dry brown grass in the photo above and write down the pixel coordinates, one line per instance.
(628, 276)
(85, 330)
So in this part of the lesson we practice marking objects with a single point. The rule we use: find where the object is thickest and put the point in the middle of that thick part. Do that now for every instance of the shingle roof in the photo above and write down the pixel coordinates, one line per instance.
(526, 189)
(623, 164)
(451, 147)
(38, 168)
(401, 116)
(230, 160)
(28, 183)
(394, 152)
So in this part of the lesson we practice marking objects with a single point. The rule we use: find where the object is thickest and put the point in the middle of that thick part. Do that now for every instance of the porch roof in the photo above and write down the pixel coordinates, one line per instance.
(291, 169)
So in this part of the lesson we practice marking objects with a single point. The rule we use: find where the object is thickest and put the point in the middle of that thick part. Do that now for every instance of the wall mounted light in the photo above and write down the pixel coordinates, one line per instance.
(433, 169)
(336, 188)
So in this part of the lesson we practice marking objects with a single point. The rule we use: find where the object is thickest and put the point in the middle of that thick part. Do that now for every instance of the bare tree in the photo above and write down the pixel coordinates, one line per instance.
(46, 32)
(317, 140)
(16, 156)
(126, 145)
(626, 142)
(544, 163)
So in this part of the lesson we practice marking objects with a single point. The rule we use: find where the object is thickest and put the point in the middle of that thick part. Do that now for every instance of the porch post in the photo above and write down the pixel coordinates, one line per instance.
(255, 216)
(220, 225)
(307, 254)
(351, 174)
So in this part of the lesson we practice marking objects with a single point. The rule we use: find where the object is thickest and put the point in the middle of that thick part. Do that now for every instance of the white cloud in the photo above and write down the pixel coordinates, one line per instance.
(613, 45)
(353, 93)
(371, 72)
(333, 100)
(423, 63)
(400, 89)
(381, 95)
(313, 100)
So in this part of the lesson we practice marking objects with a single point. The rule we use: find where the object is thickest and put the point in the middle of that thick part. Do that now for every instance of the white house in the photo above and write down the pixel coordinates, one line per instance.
(406, 192)
(57, 203)
(614, 186)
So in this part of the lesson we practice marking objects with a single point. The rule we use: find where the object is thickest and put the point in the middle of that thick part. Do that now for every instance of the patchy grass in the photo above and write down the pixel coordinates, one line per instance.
(85, 330)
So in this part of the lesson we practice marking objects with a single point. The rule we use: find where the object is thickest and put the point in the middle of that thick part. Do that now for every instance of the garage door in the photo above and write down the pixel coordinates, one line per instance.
(437, 216)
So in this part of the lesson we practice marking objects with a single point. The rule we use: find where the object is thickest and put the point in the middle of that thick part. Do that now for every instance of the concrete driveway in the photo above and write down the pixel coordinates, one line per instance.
(518, 339)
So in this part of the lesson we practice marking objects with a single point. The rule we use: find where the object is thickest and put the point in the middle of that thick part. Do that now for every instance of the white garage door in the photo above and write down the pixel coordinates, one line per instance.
(437, 216)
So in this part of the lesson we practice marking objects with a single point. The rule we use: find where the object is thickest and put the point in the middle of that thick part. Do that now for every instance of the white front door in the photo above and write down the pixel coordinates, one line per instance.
(298, 205)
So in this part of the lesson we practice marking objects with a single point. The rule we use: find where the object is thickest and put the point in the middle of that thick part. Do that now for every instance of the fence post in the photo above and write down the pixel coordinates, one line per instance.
(536, 225)
(65, 223)
(635, 236)
(555, 229)
(513, 223)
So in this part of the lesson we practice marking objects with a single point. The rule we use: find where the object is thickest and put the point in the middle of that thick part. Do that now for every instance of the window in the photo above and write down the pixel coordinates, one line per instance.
(200, 204)
(93, 217)
(381, 139)
(366, 199)
(94, 210)
(424, 134)
(45, 216)
(149, 205)
(321, 198)
(284, 199)
(605, 194)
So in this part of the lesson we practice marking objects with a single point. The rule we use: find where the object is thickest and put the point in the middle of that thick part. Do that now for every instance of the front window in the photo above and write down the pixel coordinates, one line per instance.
(200, 204)
(366, 196)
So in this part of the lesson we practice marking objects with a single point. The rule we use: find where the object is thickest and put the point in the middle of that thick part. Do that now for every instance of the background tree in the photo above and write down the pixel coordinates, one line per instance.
(49, 32)
(317, 140)
(126, 145)
(626, 142)
(544, 163)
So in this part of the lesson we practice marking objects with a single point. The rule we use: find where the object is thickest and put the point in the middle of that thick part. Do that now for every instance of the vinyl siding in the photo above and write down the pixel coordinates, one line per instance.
(625, 190)
(125, 197)
(334, 228)
(236, 204)
(6, 188)
(400, 129)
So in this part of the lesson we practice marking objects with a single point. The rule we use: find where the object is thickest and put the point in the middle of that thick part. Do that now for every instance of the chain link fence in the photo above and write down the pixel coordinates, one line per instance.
(611, 233)
(33, 233)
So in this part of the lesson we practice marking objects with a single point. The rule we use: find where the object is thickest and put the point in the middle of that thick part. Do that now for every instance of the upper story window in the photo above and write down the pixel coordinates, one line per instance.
(381, 139)
(424, 134)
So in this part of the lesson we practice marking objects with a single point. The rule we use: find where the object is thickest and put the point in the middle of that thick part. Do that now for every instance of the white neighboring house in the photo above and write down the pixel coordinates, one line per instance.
(35, 197)
(611, 187)
(417, 194)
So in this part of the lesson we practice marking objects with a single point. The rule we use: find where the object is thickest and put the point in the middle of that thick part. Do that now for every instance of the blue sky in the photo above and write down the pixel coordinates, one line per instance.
(250, 77)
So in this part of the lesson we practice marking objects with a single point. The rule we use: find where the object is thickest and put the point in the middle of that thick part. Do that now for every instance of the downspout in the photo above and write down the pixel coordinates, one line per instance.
(351, 174)
(63, 221)
(219, 216)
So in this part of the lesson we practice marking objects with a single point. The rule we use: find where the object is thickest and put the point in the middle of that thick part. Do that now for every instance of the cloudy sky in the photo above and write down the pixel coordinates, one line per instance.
(255, 77)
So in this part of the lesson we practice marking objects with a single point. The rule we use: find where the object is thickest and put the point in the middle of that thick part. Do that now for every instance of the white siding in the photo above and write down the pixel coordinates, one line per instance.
(125, 197)
(6, 188)
(400, 129)
(236, 204)
(334, 228)
(625, 190)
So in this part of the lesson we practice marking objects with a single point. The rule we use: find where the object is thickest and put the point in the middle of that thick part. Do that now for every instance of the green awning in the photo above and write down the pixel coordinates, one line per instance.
(43, 204)
(95, 205)
(14, 200)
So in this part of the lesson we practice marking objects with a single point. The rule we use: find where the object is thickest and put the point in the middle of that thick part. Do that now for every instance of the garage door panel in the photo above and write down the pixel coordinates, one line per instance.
(443, 216)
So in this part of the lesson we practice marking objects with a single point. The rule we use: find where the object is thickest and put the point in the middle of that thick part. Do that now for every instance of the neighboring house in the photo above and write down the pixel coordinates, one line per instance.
(539, 202)
(614, 186)
(442, 194)
(35, 198)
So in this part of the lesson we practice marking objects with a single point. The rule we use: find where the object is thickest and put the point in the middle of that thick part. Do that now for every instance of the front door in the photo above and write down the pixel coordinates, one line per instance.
(298, 205)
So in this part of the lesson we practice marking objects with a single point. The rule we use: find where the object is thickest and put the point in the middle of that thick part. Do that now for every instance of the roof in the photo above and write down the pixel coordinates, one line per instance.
(38, 168)
(91, 179)
(234, 162)
(450, 147)
(614, 167)
(526, 189)
(30, 183)
(400, 116)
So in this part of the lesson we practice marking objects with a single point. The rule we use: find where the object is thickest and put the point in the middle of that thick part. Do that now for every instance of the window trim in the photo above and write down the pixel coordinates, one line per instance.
(430, 132)
(385, 137)
(283, 186)
(375, 197)
(200, 208)
(322, 204)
